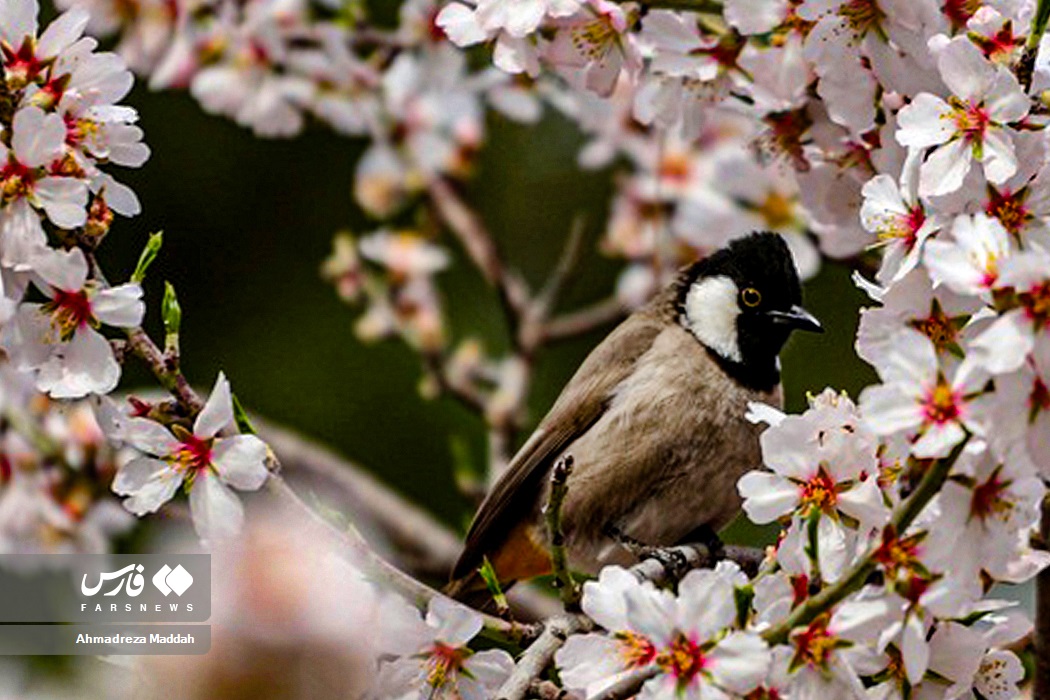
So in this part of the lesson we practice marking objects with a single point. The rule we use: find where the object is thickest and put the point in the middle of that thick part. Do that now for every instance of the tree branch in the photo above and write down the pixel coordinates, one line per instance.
(481, 248)
(169, 376)
(417, 540)
(539, 654)
(589, 318)
(350, 542)
(570, 592)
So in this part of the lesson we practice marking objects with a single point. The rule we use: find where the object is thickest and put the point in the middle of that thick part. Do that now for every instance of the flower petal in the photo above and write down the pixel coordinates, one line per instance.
(217, 513)
(740, 662)
(241, 461)
(217, 412)
(456, 624)
(119, 306)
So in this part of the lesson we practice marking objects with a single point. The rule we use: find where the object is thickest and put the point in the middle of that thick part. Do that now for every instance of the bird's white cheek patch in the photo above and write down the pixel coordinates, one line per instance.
(710, 313)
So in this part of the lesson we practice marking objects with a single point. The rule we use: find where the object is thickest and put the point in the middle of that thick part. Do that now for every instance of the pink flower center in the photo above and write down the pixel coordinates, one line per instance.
(594, 38)
(903, 227)
(21, 66)
(635, 649)
(1010, 209)
(938, 327)
(443, 663)
(959, 12)
(814, 645)
(988, 498)
(193, 454)
(725, 52)
(683, 659)
(16, 179)
(862, 16)
(896, 554)
(1036, 303)
(971, 120)
(70, 311)
(1000, 46)
(942, 404)
(819, 492)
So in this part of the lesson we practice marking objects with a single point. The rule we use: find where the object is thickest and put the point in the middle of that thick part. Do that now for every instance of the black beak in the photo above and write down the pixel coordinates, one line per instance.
(796, 318)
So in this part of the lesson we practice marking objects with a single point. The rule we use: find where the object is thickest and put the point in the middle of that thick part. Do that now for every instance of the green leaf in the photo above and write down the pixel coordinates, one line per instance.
(149, 254)
(244, 424)
(488, 574)
(171, 311)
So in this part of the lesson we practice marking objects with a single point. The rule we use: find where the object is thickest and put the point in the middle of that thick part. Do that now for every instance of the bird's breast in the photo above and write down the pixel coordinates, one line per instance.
(665, 456)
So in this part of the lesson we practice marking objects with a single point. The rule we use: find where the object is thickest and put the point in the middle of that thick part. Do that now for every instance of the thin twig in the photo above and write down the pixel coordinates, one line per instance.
(481, 247)
(674, 562)
(378, 569)
(831, 596)
(563, 581)
(539, 311)
(585, 320)
(417, 539)
(539, 654)
(437, 368)
(169, 376)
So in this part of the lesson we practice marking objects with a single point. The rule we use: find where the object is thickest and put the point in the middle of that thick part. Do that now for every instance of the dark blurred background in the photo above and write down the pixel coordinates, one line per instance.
(247, 223)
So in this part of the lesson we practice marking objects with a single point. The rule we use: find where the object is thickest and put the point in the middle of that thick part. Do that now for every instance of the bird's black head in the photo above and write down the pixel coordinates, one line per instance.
(742, 302)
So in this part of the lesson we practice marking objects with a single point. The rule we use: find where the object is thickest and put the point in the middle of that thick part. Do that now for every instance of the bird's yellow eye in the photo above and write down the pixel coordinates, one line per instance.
(751, 297)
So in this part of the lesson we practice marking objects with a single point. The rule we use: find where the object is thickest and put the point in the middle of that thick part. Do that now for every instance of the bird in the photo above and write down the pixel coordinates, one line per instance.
(653, 421)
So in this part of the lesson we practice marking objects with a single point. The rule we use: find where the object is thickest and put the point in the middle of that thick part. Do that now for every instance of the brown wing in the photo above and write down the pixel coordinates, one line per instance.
(580, 405)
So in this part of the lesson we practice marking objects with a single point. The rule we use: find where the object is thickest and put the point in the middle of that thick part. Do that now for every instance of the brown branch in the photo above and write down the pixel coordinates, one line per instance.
(375, 567)
(481, 247)
(437, 368)
(168, 374)
(585, 320)
(417, 540)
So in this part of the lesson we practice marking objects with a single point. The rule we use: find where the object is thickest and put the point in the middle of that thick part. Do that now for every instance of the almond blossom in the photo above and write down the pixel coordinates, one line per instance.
(824, 471)
(934, 410)
(204, 461)
(37, 142)
(971, 125)
(1011, 337)
(687, 638)
(979, 514)
(969, 262)
(894, 213)
(58, 341)
(595, 43)
(435, 662)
